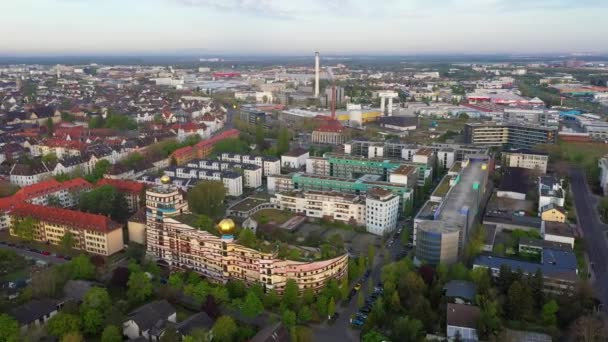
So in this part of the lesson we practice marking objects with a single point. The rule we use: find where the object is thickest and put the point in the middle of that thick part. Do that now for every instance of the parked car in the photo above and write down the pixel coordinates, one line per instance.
(357, 323)
(46, 253)
(67, 257)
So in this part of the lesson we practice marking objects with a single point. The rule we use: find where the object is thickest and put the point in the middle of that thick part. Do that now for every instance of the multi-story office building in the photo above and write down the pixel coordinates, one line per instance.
(270, 165)
(92, 233)
(527, 159)
(441, 228)
(221, 258)
(377, 210)
(531, 117)
(252, 116)
(508, 135)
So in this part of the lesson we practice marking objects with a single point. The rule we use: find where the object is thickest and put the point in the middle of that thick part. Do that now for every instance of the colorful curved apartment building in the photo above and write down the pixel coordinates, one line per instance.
(222, 258)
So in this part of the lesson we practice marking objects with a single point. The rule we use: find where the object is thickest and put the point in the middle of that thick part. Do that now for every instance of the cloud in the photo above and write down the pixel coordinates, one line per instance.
(283, 9)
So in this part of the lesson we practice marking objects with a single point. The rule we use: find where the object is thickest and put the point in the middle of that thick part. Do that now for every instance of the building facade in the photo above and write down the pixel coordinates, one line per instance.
(220, 258)
(95, 234)
(509, 135)
(526, 159)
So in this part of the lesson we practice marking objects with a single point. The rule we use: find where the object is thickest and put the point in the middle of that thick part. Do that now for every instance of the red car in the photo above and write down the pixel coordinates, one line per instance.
(46, 253)
(59, 256)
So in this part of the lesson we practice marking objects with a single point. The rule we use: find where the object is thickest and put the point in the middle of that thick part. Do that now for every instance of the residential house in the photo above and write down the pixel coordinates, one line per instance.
(462, 322)
(552, 213)
(461, 292)
(148, 320)
(35, 312)
(550, 191)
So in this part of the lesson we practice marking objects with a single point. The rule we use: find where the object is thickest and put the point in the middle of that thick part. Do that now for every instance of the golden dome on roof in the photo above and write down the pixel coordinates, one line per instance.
(165, 179)
(226, 226)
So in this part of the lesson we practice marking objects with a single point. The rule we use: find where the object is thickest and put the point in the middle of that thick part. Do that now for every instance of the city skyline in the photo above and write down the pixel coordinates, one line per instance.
(298, 27)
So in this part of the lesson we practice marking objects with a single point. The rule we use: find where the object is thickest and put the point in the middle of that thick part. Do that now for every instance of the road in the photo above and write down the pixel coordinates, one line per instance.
(594, 232)
(36, 256)
(341, 330)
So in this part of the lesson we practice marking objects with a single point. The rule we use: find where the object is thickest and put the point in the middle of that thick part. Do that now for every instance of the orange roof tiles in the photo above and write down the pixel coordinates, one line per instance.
(68, 217)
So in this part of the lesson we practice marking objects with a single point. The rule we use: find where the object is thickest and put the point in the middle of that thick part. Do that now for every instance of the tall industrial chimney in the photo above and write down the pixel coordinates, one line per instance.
(317, 74)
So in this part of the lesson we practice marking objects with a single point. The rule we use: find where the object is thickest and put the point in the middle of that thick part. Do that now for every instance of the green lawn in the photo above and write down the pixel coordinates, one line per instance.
(272, 215)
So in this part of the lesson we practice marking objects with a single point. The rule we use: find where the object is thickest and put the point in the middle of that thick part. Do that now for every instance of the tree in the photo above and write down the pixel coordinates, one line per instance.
(259, 135)
(253, 306)
(271, 299)
(370, 256)
(224, 329)
(198, 291)
(489, 320)
(549, 312)
(589, 329)
(111, 334)
(96, 298)
(283, 141)
(49, 158)
(305, 314)
(82, 268)
(101, 168)
(140, 287)
(360, 299)
(204, 222)
(207, 198)
(373, 336)
(290, 296)
(25, 228)
(50, 127)
(308, 297)
(406, 329)
(63, 323)
(175, 281)
(92, 321)
(459, 272)
(9, 328)
(331, 307)
(288, 318)
(321, 305)
(233, 145)
(67, 242)
(520, 301)
(73, 336)
(105, 200)
(603, 208)
(197, 335)
(247, 238)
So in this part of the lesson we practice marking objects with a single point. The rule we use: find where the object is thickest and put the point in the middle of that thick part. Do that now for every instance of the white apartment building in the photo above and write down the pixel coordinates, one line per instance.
(252, 174)
(405, 174)
(550, 191)
(233, 181)
(377, 210)
(279, 183)
(269, 165)
(318, 166)
(424, 156)
(294, 159)
(526, 159)
(446, 157)
(381, 211)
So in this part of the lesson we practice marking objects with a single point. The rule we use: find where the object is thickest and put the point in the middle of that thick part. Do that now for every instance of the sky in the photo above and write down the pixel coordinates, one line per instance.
(300, 27)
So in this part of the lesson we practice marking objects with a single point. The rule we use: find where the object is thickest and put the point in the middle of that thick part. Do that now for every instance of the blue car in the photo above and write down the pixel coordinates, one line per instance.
(357, 323)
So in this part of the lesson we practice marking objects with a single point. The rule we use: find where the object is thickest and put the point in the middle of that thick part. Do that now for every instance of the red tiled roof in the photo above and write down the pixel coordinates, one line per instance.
(121, 185)
(49, 186)
(68, 217)
(331, 126)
